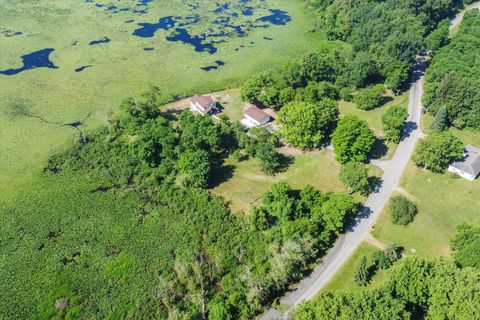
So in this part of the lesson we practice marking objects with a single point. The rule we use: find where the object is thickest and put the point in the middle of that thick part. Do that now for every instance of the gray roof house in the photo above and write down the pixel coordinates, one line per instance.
(469, 166)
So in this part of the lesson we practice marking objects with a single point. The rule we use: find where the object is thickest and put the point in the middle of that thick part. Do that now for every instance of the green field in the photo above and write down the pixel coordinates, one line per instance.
(443, 202)
(119, 69)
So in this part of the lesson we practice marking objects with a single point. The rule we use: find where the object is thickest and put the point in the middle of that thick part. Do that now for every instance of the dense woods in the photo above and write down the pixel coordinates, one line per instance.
(453, 79)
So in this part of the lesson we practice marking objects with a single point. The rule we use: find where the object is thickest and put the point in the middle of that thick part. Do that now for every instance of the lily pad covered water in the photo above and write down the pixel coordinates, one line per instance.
(65, 59)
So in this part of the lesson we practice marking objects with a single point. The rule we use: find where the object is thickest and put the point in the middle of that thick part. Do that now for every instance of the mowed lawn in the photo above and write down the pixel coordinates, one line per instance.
(343, 279)
(443, 202)
(374, 117)
(247, 184)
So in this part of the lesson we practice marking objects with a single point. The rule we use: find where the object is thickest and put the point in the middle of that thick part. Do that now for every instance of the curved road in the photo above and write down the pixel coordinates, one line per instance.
(393, 170)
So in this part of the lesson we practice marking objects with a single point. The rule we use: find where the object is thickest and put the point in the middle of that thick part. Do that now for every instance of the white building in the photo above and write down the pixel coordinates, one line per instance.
(254, 117)
(203, 104)
(469, 166)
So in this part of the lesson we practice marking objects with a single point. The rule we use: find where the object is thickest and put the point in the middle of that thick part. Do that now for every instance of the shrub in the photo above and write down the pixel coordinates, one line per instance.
(437, 151)
(402, 210)
(355, 176)
(369, 98)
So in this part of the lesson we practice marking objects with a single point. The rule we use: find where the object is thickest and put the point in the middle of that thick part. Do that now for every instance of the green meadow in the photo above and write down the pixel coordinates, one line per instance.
(120, 68)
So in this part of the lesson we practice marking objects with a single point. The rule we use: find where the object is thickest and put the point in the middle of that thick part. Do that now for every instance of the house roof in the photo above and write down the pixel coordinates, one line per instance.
(470, 163)
(202, 100)
(256, 113)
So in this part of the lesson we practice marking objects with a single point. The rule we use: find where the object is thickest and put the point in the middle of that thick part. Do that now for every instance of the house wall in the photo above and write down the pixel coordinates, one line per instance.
(461, 173)
(265, 120)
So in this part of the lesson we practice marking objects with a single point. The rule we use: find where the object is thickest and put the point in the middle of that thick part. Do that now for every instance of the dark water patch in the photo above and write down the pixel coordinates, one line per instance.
(197, 42)
(74, 42)
(100, 41)
(66, 260)
(218, 63)
(99, 5)
(140, 12)
(129, 21)
(278, 17)
(221, 7)
(33, 60)
(11, 33)
(148, 30)
(144, 2)
(74, 124)
(148, 49)
(268, 38)
(248, 11)
(83, 68)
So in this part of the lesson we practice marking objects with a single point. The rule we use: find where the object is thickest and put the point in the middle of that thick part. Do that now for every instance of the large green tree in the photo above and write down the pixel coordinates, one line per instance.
(352, 139)
(355, 176)
(393, 121)
(437, 151)
(308, 125)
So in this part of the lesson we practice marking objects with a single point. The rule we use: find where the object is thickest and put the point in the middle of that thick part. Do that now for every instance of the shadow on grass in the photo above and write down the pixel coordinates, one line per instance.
(285, 162)
(221, 175)
(379, 149)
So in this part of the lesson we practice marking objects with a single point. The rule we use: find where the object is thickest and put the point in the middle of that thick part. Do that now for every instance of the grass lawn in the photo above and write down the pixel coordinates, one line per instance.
(122, 67)
(443, 203)
(248, 184)
(343, 279)
(374, 117)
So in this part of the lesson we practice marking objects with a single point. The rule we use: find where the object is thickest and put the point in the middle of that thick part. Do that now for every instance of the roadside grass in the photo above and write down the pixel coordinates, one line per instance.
(119, 69)
(343, 279)
(443, 202)
(247, 183)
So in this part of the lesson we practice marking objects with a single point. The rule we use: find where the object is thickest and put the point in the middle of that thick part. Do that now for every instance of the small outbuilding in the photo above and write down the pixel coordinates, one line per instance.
(204, 105)
(254, 117)
(469, 166)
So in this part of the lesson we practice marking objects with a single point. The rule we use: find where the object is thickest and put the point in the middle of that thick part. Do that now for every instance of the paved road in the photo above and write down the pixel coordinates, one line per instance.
(393, 171)
(458, 19)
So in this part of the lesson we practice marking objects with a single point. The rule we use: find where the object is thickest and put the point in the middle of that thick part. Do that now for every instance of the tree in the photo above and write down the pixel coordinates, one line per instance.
(260, 89)
(361, 273)
(380, 259)
(352, 139)
(194, 166)
(393, 121)
(439, 37)
(355, 176)
(270, 159)
(466, 246)
(314, 67)
(437, 151)
(396, 74)
(402, 210)
(307, 125)
(440, 122)
(316, 91)
(369, 98)
(393, 252)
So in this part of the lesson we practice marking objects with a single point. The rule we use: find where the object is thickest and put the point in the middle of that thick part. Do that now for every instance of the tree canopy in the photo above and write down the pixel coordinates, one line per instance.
(437, 151)
(352, 139)
(307, 125)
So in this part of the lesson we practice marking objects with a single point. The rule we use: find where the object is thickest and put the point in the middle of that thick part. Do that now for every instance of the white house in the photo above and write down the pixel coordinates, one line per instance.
(254, 116)
(204, 105)
(469, 166)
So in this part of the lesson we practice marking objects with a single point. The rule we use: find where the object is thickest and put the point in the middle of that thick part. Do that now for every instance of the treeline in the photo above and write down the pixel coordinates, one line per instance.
(121, 226)
(453, 79)
(415, 289)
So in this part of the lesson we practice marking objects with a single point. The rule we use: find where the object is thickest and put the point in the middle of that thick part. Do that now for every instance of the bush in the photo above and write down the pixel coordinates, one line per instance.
(402, 210)
(393, 121)
(355, 176)
(369, 98)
